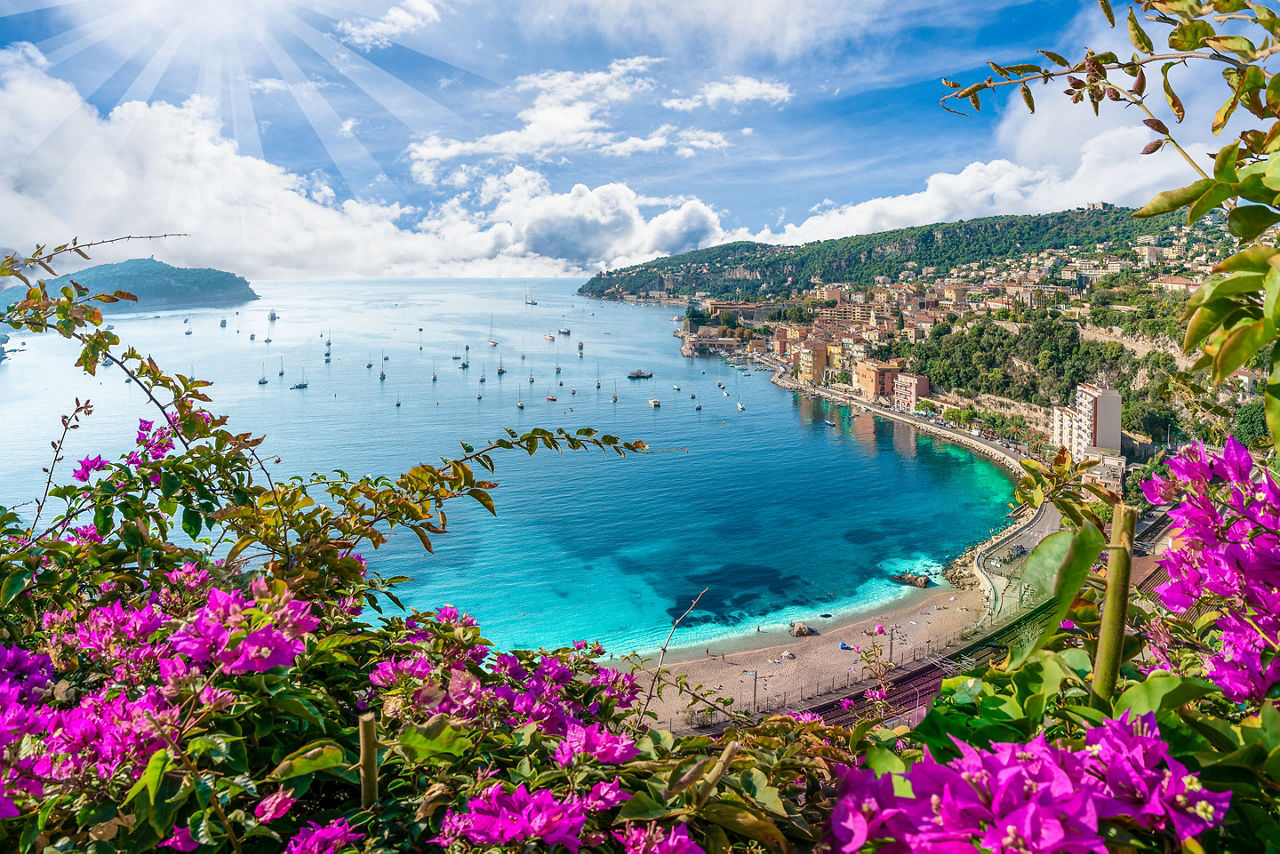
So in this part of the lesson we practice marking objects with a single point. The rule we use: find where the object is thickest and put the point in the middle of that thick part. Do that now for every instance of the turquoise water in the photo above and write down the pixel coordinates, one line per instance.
(778, 515)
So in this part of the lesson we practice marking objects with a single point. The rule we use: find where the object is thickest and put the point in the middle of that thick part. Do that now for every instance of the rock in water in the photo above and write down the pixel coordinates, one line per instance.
(911, 578)
(800, 630)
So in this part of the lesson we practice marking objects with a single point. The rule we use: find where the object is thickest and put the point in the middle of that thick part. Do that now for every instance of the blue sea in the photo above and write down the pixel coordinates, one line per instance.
(778, 515)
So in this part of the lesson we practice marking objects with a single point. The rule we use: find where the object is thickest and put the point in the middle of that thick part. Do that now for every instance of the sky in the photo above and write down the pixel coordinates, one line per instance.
(326, 138)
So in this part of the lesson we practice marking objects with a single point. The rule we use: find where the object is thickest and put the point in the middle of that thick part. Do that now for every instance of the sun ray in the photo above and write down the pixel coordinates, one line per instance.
(419, 71)
(392, 94)
(354, 163)
(115, 28)
(244, 122)
(23, 7)
(144, 85)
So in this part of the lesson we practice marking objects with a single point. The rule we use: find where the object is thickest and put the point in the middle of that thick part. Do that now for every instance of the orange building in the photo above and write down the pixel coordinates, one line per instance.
(875, 378)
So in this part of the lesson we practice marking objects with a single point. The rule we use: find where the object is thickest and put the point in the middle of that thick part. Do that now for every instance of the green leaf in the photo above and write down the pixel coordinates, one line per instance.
(1271, 399)
(883, 761)
(13, 584)
(1224, 165)
(1106, 12)
(1248, 221)
(641, 807)
(741, 820)
(436, 739)
(1068, 555)
(316, 756)
(1189, 35)
(1175, 103)
(1171, 200)
(1240, 346)
(151, 776)
(1213, 197)
(1158, 693)
(1141, 41)
(1271, 177)
(191, 522)
(1056, 59)
(1256, 259)
(1204, 320)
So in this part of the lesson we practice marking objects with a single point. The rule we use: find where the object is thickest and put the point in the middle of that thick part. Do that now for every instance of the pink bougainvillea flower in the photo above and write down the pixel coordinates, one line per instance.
(273, 806)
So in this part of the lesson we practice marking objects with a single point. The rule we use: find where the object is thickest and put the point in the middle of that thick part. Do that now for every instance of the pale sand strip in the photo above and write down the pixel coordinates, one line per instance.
(927, 619)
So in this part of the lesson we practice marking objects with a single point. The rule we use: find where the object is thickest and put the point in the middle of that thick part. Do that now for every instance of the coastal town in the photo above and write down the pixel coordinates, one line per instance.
(857, 344)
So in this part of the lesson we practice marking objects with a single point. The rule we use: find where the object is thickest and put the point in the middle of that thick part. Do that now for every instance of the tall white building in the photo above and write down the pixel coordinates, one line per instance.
(1092, 422)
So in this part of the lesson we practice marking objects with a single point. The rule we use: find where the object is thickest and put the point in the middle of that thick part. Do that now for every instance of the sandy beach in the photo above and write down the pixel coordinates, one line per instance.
(925, 619)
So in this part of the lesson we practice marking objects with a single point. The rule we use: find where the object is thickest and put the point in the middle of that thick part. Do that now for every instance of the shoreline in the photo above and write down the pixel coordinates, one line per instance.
(789, 672)
(929, 619)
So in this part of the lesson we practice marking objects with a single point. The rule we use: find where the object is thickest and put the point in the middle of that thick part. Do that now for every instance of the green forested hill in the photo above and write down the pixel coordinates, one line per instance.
(755, 268)
(156, 285)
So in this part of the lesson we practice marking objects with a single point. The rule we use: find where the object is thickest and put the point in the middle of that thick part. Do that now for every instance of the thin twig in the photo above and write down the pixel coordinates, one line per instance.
(662, 654)
(68, 424)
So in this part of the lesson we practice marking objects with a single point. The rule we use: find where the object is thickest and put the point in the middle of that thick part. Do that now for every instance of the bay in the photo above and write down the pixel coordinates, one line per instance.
(777, 515)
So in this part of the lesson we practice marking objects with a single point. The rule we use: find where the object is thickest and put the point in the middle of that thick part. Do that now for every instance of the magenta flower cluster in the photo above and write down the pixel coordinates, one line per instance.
(1228, 556)
(501, 817)
(1034, 797)
(152, 659)
(226, 633)
(323, 838)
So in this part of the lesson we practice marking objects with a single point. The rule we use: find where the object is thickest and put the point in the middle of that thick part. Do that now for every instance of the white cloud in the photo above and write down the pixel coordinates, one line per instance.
(348, 127)
(155, 168)
(733, 90)
(569, 114)
(1109, 169)
(692, 141)
(268, 85)
(408, 17)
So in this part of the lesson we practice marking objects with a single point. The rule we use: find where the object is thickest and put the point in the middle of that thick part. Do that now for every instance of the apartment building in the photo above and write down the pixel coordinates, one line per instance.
(907, 391)
(1092, 422)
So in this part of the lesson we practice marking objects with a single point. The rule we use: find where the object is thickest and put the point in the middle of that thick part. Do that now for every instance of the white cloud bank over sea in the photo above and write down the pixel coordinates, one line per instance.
(68, 171)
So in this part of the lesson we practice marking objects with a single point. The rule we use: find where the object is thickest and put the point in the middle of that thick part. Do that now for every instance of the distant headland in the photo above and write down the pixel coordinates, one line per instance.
(157, 285)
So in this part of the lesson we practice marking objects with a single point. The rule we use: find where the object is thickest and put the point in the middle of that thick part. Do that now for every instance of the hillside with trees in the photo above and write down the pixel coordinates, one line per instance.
(157, 285)
(750, 270)
(1041, 363)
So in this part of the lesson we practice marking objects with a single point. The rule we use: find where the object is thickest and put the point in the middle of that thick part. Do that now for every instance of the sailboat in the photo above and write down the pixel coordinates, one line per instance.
(370, 363)
(614, 399)
(501, 370)
(482, 373)
(397, 400)
(303, 382)
(550, 396)
(597, 375)
(531, 376)
(493, 342)
(520, 399)
(281, 367)
(466, 357)
(528, 297)
(433, 370)
(263, 379)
